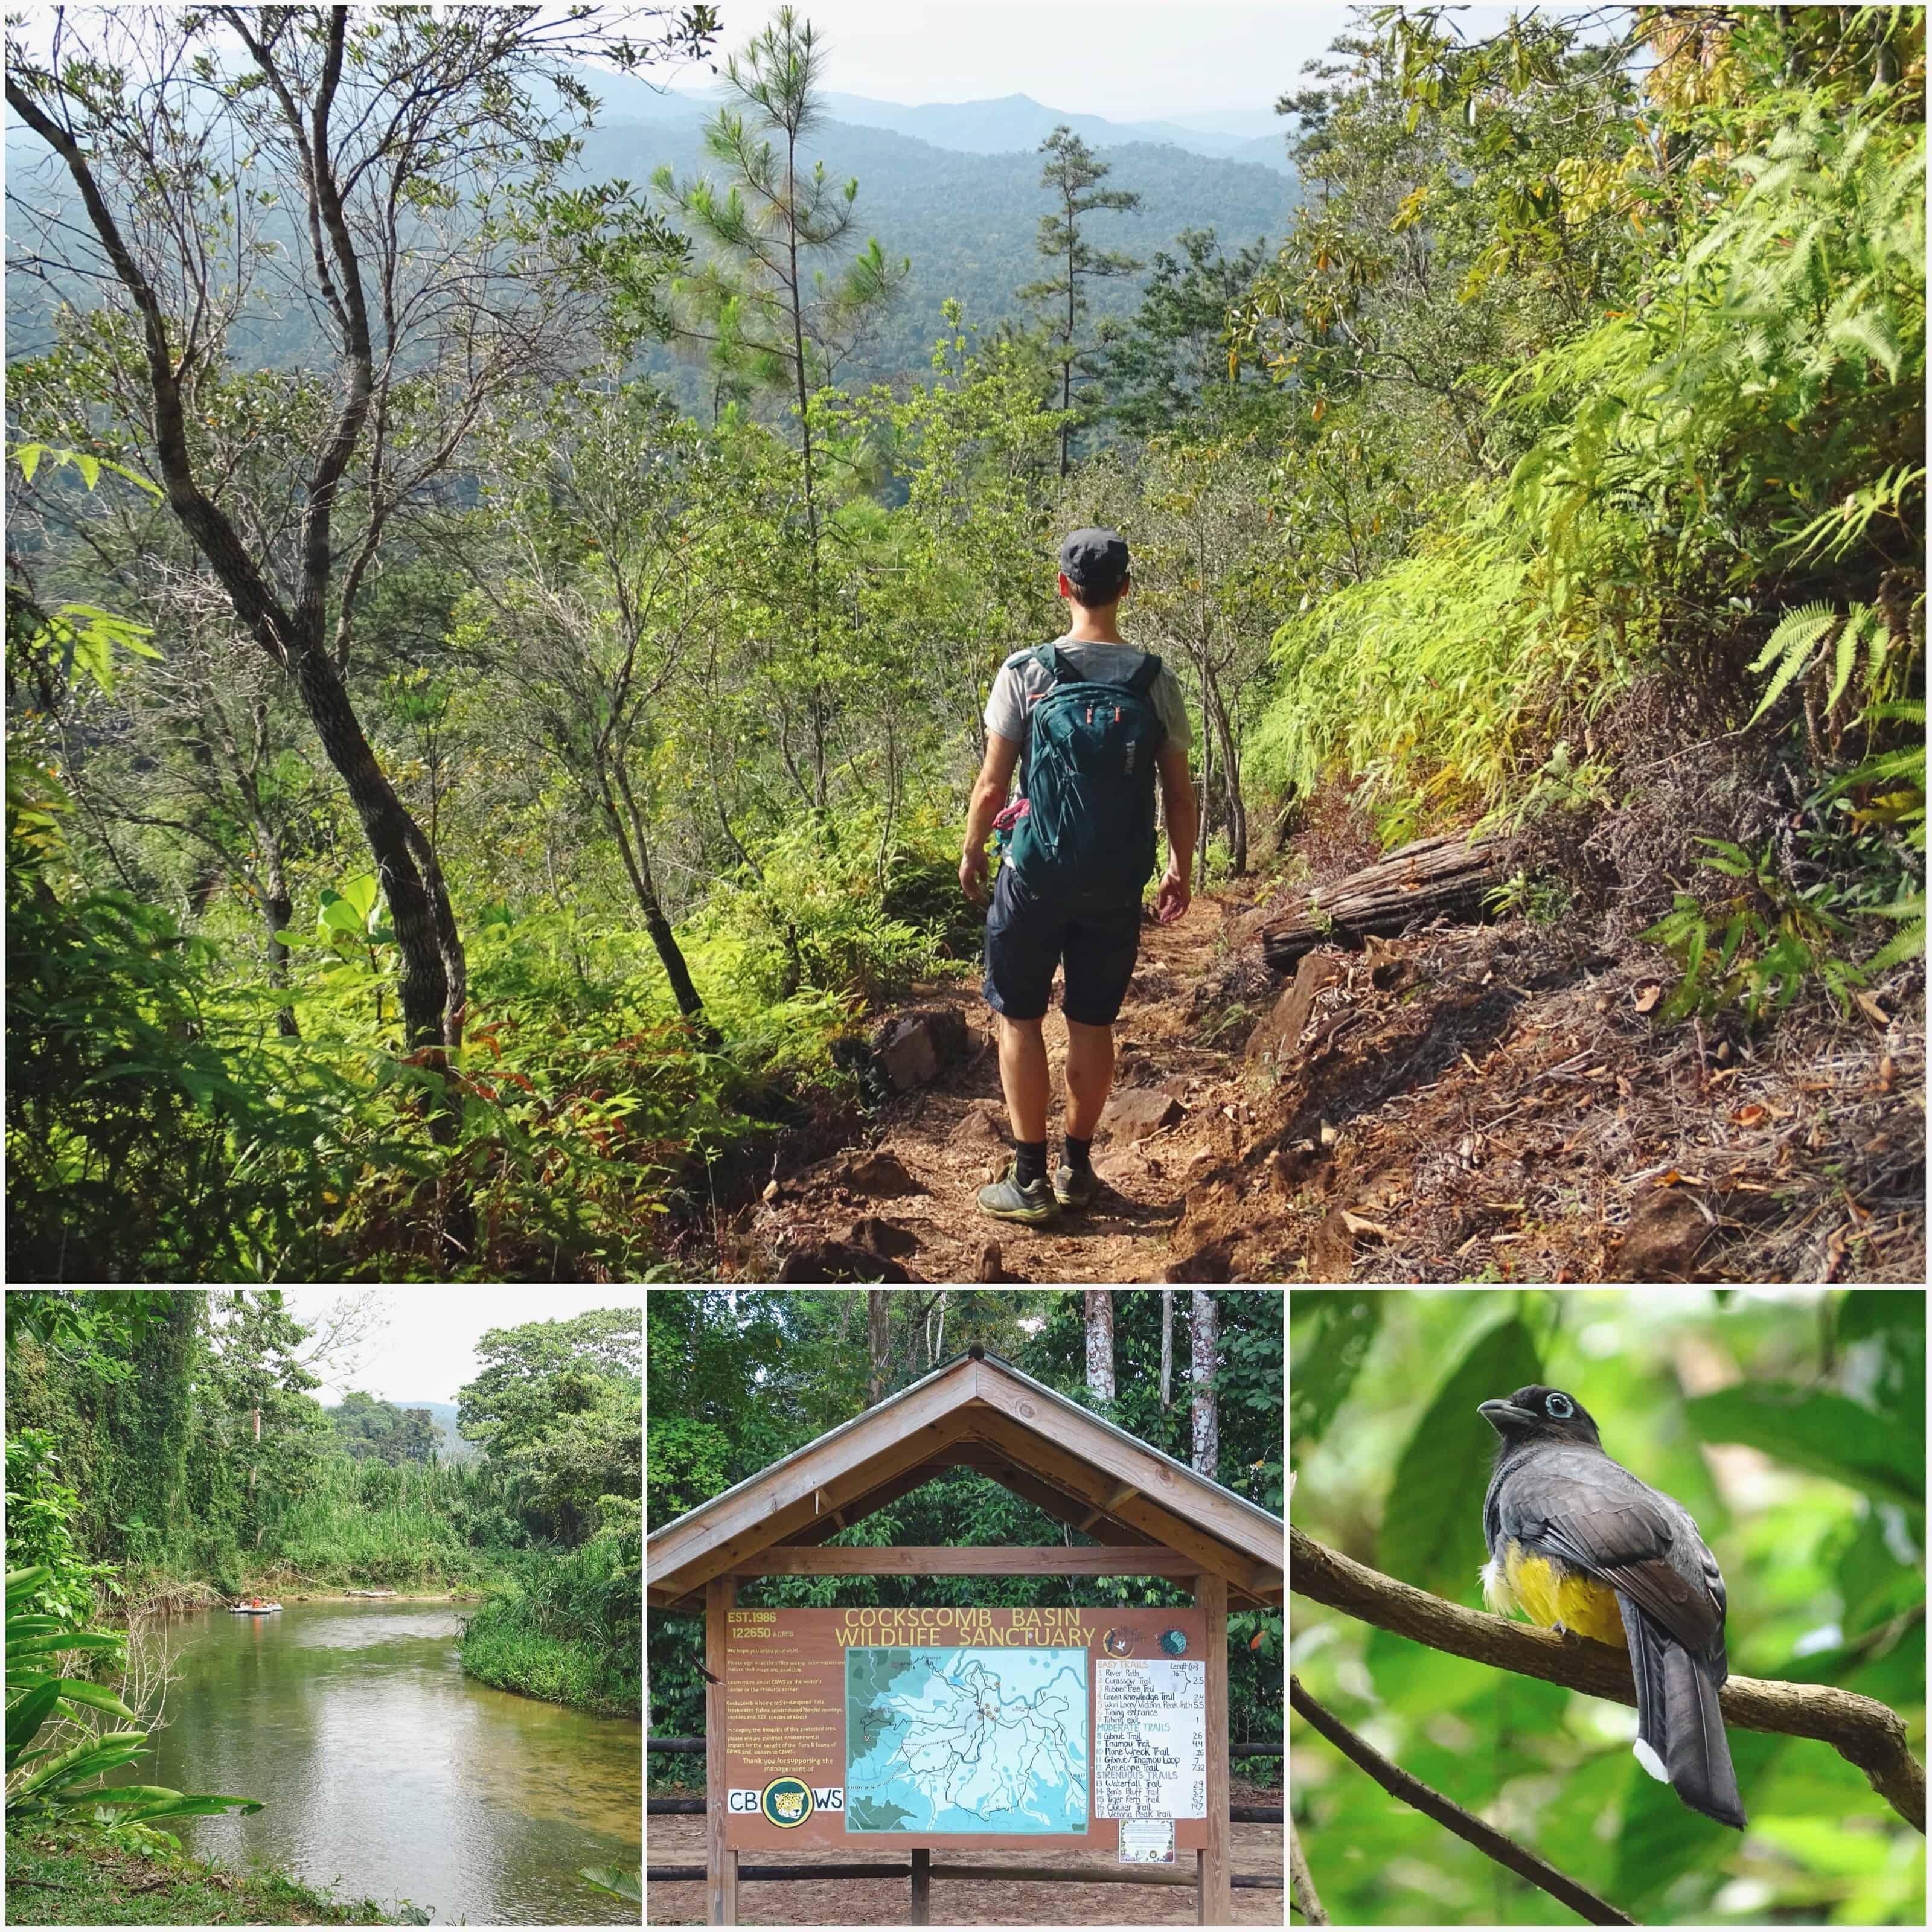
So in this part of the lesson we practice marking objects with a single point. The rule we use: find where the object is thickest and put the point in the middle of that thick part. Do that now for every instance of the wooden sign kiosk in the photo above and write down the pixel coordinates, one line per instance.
(1150, 1516)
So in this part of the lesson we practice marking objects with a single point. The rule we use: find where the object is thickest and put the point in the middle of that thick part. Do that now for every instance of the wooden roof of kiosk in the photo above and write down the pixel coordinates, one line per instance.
(1149, 1516)
(981, 1412)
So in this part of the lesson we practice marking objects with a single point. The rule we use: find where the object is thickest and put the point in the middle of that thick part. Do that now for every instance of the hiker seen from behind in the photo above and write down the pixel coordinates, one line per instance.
(1095, 727)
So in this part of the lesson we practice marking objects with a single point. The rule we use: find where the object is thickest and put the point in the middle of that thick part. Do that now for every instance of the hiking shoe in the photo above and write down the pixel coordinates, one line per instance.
(1006, 1200)
(1075, 1187)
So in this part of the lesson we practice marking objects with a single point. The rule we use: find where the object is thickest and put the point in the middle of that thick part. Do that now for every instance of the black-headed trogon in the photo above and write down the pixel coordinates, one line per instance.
(1576, 1543)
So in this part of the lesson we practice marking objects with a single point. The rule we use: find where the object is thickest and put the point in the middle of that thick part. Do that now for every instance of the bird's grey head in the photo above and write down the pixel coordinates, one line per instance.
(1540, 1414)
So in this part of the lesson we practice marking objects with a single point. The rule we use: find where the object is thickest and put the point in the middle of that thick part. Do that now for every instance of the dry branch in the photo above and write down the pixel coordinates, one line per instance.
(1861, 1730)
(1431, 1803)
(1432, 878)
(1306, 1899)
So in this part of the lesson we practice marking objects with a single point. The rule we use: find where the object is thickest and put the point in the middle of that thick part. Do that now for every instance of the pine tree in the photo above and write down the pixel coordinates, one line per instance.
(1071, 173)
(772, 323)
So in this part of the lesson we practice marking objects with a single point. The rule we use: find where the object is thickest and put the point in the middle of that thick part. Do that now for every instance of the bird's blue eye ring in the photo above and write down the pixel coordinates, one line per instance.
(1560, 1406)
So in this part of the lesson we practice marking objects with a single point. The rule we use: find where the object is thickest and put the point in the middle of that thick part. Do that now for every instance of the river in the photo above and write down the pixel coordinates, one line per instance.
(385, 1773)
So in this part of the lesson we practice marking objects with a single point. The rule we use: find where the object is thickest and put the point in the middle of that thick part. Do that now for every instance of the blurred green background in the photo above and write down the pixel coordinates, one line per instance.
(1790, 1423)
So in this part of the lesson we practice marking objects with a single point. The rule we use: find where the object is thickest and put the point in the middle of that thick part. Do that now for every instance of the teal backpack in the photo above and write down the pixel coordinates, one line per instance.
(1084, 831)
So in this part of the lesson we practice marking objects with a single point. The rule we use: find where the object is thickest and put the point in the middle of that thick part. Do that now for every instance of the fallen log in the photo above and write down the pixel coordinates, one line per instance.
(1432, 878)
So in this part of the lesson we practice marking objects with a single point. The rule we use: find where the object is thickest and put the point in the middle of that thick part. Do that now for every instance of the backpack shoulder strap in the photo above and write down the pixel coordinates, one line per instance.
(1149, 668)
(1058, 666)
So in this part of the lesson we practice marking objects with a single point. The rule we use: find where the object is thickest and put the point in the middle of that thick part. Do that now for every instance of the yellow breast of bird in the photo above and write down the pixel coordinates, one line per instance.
(1550, 1593)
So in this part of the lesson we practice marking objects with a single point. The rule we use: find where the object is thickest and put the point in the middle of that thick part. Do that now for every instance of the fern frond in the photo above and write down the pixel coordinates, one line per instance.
(1800, 629)
(1869, 330)
(1861, 619)
(1908, 943)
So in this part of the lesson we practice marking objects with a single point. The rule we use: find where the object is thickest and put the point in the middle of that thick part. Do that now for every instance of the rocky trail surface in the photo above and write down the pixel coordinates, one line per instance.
(1462, 1103)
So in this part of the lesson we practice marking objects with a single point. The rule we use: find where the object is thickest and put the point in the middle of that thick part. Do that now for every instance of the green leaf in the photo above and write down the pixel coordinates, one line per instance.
(1790, 646)
(20, 1645)
(203, 1805)
(76, 1690)
(1432, 1533)
(1327, 1361)
(611, 1879)
(1819, 1430)
(26, 1717)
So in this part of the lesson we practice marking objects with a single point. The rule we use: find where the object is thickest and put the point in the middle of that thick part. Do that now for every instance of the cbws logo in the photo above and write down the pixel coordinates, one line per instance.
(786, 1801)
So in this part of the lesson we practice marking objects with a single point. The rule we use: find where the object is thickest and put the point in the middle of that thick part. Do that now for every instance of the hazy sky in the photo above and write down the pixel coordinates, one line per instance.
(1129, 60)
(425, 1350)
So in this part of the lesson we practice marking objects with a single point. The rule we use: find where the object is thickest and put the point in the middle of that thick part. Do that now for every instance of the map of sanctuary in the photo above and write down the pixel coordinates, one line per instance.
(966, 1740)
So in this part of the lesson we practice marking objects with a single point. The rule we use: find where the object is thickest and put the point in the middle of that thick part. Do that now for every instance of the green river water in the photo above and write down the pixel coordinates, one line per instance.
(386, 1772)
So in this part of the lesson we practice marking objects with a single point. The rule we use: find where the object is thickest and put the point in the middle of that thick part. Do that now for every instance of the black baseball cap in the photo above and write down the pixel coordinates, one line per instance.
(1095, 562)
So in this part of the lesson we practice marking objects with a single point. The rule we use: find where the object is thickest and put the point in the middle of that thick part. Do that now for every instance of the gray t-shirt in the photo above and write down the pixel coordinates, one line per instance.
(1021, 678)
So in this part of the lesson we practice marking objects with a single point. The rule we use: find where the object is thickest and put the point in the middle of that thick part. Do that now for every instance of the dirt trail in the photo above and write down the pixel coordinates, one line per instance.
(1465, 1103)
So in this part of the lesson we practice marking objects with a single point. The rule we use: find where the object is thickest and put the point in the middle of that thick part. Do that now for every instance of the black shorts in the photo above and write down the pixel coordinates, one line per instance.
(1027, 937)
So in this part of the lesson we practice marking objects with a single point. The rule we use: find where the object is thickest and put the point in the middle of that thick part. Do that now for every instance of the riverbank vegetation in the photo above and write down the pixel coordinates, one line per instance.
(173, 1438)
(66, 1875)
(166, 1452)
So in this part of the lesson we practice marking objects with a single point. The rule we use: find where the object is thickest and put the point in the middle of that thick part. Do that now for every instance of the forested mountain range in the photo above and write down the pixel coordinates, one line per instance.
(1009, 123)
(967, 220)
(1017, 121)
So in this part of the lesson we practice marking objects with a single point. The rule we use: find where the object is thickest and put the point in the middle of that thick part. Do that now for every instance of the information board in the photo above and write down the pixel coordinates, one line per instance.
(931, 1726)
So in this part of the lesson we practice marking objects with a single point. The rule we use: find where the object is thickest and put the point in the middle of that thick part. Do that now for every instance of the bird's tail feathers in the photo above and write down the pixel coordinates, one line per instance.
(1680, 1727)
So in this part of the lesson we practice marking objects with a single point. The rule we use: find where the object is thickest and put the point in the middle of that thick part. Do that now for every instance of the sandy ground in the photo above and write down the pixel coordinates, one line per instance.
(1257, 1849)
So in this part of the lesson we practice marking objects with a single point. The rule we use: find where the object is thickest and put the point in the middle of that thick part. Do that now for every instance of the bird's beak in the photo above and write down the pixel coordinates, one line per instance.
(1502, 1415)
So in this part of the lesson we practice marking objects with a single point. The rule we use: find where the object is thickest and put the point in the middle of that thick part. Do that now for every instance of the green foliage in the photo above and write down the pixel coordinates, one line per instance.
(555, 1409)
(36, 1691)
(40, 1510)
(1429, 1535)
(367, 1427)
(1825, 1574)
(619, 1883)
(1735, 432)
(1881, 1453)
(1342, 1329)
(80, 1872)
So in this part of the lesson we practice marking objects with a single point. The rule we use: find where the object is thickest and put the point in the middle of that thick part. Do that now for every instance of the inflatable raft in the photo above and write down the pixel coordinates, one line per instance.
(252, 1609)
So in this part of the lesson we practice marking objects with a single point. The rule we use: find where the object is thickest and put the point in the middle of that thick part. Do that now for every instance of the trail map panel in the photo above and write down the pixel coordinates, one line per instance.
(1150, 1738)
(966, 1740)
(938, 1727)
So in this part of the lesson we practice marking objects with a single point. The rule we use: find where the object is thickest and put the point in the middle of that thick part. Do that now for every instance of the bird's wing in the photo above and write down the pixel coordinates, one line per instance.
(1578, 1505)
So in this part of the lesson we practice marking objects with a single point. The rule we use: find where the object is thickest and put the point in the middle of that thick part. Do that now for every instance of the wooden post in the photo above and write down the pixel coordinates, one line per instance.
(1215, 1893)
(921, 1887)
(721, 1866)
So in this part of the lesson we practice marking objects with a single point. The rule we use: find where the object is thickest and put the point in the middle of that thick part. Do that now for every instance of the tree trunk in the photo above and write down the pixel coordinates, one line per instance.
(877, 1338)
(1231, 781)
(637, 864)
(1431, 878)
(1166, 1349)
(797, 294)
(1206, 1417)
(425, 931)
(277, 910)
(277, 907)
(1100, 1344)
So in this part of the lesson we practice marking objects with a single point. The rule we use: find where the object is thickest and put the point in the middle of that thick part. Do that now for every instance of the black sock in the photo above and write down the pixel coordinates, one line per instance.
(1080, 1154)
(1029, 1162)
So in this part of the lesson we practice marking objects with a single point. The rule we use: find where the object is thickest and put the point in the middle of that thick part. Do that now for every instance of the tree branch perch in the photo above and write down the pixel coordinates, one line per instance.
(1861, 1730)
(1431, 1803)
(1302, 1883)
